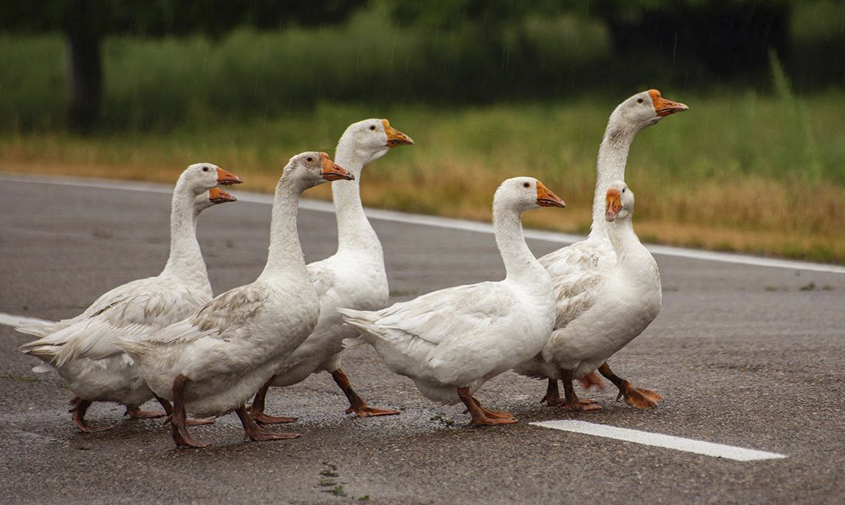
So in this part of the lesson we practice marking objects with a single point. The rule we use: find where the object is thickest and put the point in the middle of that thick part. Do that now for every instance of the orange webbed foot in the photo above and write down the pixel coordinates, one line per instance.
(198, 422)
(554, 402)
(260, 417)
(640, 398)
(78, 409)
(144, 414)
(584, 405)
(87, 428)
(367, 411)
(189, 442)
(495, 414)
(489, 421)
(181, 436)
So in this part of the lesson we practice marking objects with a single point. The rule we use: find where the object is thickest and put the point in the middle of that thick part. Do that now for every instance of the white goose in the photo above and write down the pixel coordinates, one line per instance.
(213, 361)
(627, 301)
(579, 270)
(151, 303)
(452, 341)
(363, 287)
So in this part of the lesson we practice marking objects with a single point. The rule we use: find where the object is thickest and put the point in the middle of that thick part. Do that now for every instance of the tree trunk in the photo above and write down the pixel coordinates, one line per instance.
(86, 80)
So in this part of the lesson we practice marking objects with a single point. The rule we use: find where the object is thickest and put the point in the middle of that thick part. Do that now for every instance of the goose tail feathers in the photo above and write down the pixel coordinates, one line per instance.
(360, 320)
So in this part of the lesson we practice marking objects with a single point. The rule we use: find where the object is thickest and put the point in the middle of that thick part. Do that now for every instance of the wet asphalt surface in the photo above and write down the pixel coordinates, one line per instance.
(741, 354)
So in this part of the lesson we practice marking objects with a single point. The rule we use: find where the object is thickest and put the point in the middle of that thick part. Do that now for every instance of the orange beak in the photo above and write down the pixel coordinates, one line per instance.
(333, 172)
(394, 136)
(614, 204)
(664, 107)
(546, 198)
(227, 178)
(217, 195)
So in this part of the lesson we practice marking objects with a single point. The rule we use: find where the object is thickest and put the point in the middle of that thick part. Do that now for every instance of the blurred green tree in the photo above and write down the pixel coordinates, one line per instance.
(84, 23)
(727, 37)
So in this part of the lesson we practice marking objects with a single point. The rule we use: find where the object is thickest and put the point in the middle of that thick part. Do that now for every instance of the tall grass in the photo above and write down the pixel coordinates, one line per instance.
(155, 84)
(161, 83)
(717, 176)
(800, 141)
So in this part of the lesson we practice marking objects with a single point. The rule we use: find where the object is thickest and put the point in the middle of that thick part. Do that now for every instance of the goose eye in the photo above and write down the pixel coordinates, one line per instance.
(309, 159)
(205, 169)
(623, 189)
(640, 100)
(526, 185)
(372, 127)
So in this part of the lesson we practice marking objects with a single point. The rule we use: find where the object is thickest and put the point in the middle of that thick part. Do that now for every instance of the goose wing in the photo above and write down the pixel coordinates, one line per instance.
(221, 318)
(141, 306)
(577, 273)
(442, 315)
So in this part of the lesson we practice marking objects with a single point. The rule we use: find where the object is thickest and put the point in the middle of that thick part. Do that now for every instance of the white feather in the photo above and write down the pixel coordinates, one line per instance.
(601, 306)
(464, 336)
(83, 349)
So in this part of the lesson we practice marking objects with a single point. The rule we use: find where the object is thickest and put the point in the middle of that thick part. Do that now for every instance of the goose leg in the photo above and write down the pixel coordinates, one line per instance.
(553, 399)
(639, 398)
(479, 417)
(78, 409)
(253, 431)
(572, 401)
(256, 410)
(178, 418)
(552, 394)
(168, 408)
(357, 404)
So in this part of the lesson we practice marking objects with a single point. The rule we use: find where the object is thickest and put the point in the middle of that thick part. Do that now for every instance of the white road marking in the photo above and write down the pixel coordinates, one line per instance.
(439, 222)
(658, 440)
(13, 320)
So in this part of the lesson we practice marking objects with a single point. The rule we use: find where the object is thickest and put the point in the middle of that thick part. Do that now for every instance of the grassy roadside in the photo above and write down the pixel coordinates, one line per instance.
(737, 172)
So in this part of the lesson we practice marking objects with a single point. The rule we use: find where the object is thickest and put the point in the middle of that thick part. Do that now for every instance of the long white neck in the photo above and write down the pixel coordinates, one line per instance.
(185, 261)
(626, 244)
(520, 263)
(285, 257)
(613, 156)
(353, 229)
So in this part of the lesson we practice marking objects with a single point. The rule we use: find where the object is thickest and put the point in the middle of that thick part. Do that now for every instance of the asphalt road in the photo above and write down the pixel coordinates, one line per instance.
(742, 355)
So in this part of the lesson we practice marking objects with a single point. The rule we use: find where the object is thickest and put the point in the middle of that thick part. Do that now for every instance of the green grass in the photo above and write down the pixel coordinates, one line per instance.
(337, 490)
(734, 173)
(162, 82)
(742, 171)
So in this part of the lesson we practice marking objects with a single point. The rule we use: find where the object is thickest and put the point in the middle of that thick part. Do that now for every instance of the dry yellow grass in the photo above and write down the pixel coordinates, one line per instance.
(728, 209)
(730, 187)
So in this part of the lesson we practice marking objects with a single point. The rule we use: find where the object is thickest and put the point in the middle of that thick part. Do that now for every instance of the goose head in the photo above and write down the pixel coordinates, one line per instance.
(212, 197)
(310, 169)
(620, 202)
(372, 138)
(525, 193)
(643, 110)
(201, 177)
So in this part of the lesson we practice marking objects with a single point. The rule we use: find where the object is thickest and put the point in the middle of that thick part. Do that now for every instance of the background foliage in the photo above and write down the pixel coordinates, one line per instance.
(488, 90)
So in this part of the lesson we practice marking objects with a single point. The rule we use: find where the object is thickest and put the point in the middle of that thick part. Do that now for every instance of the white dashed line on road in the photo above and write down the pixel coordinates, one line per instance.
(658, 440)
